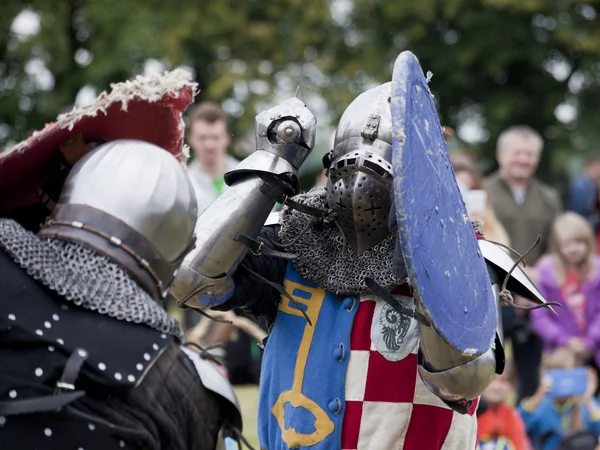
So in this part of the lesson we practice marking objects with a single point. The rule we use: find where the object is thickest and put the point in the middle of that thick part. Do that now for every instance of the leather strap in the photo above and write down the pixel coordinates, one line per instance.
(116, 240)
(39, 404)
(310, 210)
(397, 305)
(54, 402)
(274, 195)
(71, 370)
(258, 248)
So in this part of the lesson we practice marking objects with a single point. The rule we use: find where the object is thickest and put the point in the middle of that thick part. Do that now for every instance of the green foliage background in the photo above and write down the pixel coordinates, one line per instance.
(498, 61)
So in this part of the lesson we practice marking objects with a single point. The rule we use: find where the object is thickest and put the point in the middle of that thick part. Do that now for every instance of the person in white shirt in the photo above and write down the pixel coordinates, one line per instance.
(209, 137)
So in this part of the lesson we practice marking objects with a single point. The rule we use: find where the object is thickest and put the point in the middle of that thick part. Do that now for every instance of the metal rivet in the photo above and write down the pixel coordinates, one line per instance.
(48, 432)
(12, 393)
(60, 341)
(101, 366)
(55, 317)
(146, 356)
(118, 376)
(39, 372)
(82, 353)
(163, 336)
(121, 444)
(155, 347)
(50, 348)
(39, 332)
(91, 426)
(139, 366)
(130, 378)
(47, 324)
(2, 420)
(11, 317)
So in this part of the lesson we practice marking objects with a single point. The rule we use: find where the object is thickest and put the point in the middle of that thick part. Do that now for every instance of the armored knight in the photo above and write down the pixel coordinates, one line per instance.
(90, 358)
(354, 359)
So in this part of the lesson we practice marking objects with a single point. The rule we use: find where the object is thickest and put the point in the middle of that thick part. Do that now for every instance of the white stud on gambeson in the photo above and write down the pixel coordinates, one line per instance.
(48, 432)
(39, 372)
(55, 317)
(11, 317)
(12, 393)
(101, 366)
(139, 366)
(118, 376)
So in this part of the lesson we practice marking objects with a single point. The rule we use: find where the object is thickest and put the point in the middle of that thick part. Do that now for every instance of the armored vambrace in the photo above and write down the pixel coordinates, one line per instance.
(226, 230)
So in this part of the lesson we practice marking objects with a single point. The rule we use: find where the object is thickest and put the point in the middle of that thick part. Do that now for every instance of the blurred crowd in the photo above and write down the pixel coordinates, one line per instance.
(528, 406)
(523, 408)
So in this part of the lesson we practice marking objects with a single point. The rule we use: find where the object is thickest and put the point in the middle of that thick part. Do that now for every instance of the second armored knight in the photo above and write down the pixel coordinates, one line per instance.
(352, 360)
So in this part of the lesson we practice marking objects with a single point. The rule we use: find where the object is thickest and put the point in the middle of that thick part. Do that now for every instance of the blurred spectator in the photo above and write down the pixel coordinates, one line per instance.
(562, 423)
(498, 423)
(527, 208)
(582, 196)
(470, 181)
(208, 136)
(571, 276)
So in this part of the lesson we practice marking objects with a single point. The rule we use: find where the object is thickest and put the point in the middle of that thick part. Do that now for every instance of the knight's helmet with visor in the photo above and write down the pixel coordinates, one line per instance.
(359, 169)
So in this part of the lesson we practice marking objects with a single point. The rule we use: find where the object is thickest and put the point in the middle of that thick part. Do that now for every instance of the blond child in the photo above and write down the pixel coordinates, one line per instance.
(571, 276)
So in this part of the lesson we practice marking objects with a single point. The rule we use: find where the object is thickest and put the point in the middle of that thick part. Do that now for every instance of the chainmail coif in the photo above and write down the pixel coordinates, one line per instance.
(320, 256)
(84, 277)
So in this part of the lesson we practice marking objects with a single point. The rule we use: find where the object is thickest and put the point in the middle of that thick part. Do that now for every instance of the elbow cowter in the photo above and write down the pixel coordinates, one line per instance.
(461, 383)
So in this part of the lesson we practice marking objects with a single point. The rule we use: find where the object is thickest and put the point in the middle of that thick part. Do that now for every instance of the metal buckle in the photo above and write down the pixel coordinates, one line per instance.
(258, 251)
(62, 386)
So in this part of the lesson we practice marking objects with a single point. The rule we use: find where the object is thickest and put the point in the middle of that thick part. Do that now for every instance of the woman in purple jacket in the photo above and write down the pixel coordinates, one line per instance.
(571, 276)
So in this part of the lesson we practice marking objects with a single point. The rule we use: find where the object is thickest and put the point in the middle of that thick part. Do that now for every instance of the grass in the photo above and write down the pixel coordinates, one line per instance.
(248, 398)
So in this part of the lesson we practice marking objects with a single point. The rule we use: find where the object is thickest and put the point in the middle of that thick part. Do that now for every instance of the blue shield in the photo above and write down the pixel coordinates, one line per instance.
(447, 272)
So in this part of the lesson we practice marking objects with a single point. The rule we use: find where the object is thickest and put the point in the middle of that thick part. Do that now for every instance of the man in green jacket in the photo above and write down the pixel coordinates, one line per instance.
(526, 207)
